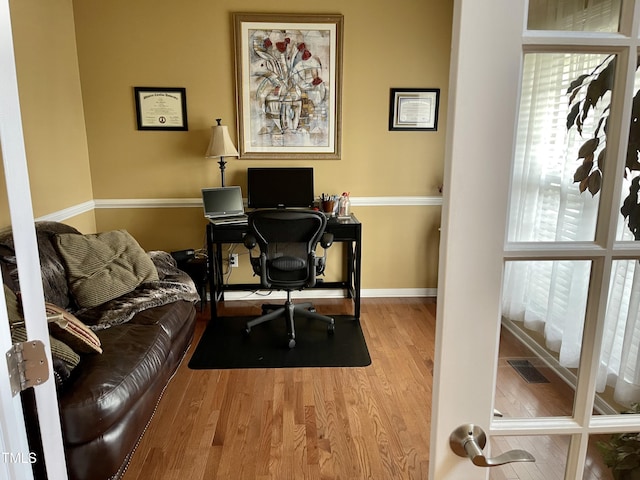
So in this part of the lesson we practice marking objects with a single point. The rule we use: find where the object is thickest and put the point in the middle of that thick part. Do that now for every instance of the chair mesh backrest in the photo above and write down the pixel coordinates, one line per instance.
(287, 238)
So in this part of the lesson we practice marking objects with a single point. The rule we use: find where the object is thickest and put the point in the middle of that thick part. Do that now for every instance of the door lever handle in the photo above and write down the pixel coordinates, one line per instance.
(469, 440)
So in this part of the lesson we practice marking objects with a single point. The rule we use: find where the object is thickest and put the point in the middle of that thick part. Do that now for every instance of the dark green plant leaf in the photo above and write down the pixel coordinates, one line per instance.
(595, 182)
(600, 122)
(631, 200)
(601, 84)
(577, 83)
(588, 148)
(634, 221)
(601, 157)
(582, 172)
(573, 114)
(632, 160)
(634, 130)
(630, 208)
(584, 184)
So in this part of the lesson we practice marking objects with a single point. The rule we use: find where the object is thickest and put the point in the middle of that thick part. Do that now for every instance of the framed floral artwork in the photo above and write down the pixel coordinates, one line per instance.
(288, 85)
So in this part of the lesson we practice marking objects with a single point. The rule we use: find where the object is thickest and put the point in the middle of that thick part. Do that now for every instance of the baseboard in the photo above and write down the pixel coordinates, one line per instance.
(332, 293)
(600, 405)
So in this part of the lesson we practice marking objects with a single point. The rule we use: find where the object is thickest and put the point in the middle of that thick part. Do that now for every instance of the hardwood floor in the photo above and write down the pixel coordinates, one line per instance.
(337, 423)
(303, 423)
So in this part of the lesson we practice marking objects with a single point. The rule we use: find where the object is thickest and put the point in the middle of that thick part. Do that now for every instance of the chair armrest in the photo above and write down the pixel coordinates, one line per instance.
(326, 240)
(250, 241)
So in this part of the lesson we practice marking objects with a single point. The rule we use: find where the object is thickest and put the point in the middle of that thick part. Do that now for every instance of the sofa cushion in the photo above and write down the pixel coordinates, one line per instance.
(170, 317)
(107, 386)
(66, 327)
(104, 266)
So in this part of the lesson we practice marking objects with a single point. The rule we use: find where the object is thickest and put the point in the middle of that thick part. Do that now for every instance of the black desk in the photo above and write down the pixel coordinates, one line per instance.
(348, 231)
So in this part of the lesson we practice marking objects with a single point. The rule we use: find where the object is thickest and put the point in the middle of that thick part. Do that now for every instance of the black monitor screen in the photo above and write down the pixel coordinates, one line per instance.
(280, 187)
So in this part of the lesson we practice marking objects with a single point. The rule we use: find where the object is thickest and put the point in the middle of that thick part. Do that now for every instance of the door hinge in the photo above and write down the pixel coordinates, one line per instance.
(28, 365)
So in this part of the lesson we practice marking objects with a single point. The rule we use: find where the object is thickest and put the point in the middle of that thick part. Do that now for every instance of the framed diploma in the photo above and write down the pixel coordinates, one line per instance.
(161, 108)
(414, 109)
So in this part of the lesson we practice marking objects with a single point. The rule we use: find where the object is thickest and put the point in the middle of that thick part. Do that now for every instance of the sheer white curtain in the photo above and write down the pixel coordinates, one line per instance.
(619, 361)
(546, 205)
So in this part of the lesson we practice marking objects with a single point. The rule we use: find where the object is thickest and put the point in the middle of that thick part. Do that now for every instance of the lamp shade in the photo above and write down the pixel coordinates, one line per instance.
(220, 144)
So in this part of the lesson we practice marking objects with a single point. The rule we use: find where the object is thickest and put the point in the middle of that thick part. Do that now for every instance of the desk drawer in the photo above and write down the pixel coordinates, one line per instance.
(228, 234)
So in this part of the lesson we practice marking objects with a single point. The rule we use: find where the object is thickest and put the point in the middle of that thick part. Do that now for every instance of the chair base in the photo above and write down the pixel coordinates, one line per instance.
(289, 310)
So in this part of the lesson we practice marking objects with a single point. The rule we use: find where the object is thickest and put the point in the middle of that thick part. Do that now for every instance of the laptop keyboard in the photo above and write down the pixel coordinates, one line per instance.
(229, 220)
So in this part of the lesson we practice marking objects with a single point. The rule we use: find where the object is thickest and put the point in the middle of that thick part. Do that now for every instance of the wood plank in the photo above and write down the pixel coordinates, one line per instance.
(333, 423)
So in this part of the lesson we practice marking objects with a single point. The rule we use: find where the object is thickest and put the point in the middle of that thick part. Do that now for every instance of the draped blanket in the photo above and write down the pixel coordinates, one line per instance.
(173, 285)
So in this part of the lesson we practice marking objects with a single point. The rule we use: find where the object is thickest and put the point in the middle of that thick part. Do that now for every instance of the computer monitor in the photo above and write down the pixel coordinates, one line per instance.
(280, 187)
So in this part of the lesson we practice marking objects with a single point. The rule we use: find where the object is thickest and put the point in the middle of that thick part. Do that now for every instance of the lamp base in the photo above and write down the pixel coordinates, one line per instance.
(223, 165)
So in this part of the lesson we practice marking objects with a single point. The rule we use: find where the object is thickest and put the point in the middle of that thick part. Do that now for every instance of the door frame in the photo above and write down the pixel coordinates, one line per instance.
(13, 432)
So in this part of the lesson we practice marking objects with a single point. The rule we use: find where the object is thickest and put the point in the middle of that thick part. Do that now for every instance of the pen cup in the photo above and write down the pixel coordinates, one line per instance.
(328, 206)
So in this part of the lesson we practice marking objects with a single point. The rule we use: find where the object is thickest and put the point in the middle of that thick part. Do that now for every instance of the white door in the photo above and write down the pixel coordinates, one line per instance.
(482, 232)
(15, 456)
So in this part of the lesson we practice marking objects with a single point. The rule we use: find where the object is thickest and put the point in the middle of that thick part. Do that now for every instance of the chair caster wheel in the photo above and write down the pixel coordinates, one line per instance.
(247, 331)
(331, 329)
(292, 342)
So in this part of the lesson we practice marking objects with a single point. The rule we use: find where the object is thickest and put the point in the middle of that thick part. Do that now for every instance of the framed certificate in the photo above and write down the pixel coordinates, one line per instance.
(161, 108)
(414, 108)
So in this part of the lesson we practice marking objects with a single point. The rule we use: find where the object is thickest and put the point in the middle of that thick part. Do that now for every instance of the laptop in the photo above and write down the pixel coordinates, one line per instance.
(223, 205)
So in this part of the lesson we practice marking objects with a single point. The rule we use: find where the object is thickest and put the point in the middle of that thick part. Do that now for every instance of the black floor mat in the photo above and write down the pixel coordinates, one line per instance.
(224, 345)
(527, 371)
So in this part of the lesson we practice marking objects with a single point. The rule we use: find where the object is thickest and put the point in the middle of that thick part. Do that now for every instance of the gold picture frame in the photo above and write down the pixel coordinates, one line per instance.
(288, 85)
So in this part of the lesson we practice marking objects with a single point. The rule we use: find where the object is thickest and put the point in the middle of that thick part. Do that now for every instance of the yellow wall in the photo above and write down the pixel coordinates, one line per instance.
(122, 43)
(51, 104)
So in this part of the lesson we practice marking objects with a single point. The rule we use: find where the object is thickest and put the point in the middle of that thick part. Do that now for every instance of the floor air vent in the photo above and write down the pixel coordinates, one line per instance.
(527, 371)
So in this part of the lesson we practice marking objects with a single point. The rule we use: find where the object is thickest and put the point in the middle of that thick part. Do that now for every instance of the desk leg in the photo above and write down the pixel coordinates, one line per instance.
(350, 270)
(357, 275)
(213, 273)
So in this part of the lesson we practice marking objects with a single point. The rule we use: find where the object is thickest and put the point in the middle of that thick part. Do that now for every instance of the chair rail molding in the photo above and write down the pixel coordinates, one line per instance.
(197, 202)
(112, 203)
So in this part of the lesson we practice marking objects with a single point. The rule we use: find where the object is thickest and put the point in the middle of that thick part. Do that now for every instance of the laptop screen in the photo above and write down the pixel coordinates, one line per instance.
(222, 202)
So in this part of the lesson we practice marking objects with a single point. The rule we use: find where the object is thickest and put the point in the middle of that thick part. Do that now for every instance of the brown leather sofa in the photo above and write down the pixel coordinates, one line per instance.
(108, 399)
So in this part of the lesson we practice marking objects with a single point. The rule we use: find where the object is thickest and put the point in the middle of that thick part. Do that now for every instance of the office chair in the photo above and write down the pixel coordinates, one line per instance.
(287, 240)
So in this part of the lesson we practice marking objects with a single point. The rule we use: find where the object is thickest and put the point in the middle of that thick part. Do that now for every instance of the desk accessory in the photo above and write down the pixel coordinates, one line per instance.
(221, 146)
(328, 204)
(344, 205)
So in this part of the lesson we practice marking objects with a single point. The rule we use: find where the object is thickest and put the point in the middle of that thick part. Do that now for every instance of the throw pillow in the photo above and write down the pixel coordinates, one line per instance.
(104, 266)
(63, 356)
(13, 310)
(59, 350)
(66, 327)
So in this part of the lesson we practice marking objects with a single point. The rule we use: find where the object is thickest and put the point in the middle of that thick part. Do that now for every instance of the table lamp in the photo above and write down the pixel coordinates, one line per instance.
(221, 146)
